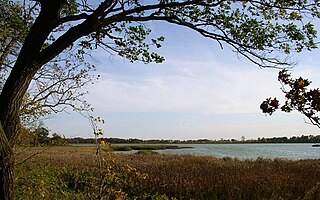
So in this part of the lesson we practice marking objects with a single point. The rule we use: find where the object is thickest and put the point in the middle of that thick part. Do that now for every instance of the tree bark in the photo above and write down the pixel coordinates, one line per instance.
(31, 58)
(25, 67)
(6, 168)
(16, 86)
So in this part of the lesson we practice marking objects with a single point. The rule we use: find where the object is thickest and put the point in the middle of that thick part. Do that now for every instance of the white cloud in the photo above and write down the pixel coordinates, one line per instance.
(193, 86)
(198, 92)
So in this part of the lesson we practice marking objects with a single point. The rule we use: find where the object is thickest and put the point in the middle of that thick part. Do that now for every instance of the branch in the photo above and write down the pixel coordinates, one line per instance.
(73, 18)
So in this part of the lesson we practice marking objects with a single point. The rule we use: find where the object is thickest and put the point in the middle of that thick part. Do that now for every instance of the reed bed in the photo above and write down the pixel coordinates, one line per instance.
(183, 176)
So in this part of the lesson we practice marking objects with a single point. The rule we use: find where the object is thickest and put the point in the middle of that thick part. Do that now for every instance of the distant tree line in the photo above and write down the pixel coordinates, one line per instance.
(294, 139)
(40, 137)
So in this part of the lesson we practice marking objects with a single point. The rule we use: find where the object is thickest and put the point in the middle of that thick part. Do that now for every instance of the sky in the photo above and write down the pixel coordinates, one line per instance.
(200, 91)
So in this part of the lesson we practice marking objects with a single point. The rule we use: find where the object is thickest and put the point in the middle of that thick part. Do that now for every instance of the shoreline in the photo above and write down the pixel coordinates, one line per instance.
(176, 176)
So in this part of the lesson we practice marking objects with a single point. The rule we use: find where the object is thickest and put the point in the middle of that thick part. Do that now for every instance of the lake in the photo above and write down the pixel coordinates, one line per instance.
(294, 151)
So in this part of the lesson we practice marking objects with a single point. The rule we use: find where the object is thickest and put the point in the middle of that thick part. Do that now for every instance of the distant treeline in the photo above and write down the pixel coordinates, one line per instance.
(294, 139)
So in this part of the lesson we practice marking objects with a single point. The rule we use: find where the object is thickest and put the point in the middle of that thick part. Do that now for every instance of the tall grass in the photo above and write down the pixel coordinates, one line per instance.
(181, 176)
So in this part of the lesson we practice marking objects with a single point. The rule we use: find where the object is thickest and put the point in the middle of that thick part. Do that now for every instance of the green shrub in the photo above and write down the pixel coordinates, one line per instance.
(121, 148)
(36, 181)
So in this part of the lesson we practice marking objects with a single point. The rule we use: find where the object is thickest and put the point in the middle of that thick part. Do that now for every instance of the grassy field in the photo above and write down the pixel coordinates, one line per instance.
(74, 173)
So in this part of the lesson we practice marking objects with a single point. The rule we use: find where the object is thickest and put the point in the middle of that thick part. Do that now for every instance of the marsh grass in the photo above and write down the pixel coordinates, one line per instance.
(147, 152)
(182, 176)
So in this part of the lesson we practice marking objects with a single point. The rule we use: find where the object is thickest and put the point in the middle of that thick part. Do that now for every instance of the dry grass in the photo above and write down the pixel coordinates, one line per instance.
(195, 177)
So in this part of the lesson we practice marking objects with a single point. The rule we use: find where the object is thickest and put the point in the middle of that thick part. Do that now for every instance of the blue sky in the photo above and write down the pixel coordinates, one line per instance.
(200, 91)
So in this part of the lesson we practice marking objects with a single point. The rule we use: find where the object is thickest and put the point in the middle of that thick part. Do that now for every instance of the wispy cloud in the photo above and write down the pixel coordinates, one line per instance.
(201, 91)
(193, 86)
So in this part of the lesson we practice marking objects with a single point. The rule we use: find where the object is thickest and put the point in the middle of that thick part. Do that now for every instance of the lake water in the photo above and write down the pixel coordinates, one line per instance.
(294, 151)
(251, 151)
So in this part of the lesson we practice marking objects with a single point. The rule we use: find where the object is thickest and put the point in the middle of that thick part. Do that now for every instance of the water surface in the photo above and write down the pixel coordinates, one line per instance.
(293, 151)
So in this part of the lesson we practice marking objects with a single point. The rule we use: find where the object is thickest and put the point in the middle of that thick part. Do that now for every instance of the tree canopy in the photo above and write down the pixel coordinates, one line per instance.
(41, 34)
(57, 84)
(258, 30)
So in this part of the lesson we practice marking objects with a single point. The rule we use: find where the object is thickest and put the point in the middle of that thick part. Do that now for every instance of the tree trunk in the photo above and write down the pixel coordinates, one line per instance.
(7, 178)
(31, 58)
(6, 168)
(26, 66)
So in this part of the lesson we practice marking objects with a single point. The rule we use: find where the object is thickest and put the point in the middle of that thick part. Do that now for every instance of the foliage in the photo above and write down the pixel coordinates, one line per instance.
(121, 148)
(39, 137)
(179, 176)
(42, 134)
(39, 181)
(15, 24)
(293, 139)
(297, 97)
(253, 29)
(55, 32)
(58, 84)
(26, 138)
(171, 143)
(58, 140)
